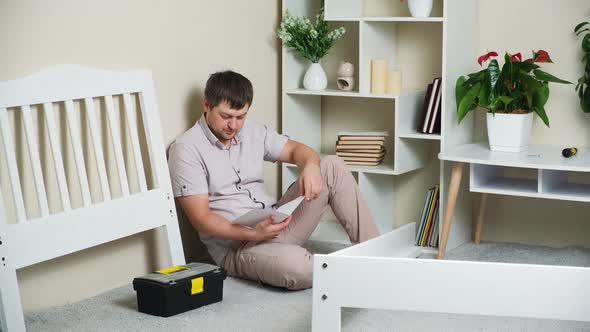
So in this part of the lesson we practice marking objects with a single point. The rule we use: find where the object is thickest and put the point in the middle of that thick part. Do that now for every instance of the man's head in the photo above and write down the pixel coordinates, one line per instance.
(228, 96)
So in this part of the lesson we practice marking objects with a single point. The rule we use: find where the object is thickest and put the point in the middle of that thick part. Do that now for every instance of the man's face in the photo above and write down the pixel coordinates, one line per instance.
(224, 121)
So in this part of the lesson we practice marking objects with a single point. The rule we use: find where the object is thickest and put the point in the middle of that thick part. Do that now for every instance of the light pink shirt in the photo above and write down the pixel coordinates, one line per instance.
(233, 177)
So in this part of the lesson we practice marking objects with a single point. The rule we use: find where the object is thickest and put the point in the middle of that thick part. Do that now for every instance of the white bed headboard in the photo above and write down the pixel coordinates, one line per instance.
(72, 94)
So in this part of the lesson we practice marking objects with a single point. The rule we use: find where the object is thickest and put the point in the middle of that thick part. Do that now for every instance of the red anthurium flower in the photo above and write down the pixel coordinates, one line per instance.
(541, 56)
(516, 56)
(485, 57)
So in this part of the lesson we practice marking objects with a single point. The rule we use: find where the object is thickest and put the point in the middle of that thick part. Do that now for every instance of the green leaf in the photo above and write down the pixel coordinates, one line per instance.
(581, 31)
(541, 113)
(476, 77)
(585, 101)
(543, 76)
(526, 66)
(541, 95)
(467, 102)
(460, 89)
(493, 75)
(586, 43)
(505, 100)
(580, 26)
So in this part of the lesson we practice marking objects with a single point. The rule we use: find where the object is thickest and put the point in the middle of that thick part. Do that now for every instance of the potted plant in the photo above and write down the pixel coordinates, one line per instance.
(510, 95)
(311, 41)
(584, 82)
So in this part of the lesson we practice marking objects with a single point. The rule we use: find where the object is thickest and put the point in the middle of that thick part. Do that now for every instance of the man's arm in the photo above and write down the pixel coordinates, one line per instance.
(310, 181)
(203, 220)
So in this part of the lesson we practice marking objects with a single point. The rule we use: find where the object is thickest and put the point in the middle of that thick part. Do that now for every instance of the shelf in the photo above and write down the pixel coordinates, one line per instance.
(339, 93)
(530, 182)
(507, 186)
(434, 137)
(537, 156)
(385, 19)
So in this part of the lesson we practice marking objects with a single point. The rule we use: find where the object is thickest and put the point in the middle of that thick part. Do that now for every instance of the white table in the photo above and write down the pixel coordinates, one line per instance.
(542, 172)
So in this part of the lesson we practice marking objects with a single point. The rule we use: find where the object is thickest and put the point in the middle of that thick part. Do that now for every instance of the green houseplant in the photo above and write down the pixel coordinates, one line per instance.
(311, 41)
(517, 88)
(583, 85)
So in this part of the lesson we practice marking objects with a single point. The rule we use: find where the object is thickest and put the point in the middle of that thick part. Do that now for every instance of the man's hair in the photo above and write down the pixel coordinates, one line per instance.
(230, 87)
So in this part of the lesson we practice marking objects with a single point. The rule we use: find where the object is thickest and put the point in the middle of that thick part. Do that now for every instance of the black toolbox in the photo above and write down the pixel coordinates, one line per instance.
(178, 289)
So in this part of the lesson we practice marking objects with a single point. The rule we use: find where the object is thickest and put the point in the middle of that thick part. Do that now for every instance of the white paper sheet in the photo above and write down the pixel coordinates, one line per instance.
(257, 215)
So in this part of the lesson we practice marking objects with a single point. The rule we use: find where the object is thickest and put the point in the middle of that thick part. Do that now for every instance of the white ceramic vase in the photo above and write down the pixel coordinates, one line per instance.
(420, 8)
(315, 77)
(509, 132)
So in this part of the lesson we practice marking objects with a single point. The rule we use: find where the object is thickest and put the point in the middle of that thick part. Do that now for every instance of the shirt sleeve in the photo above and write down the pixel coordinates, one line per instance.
(273, 144)
(187, 171)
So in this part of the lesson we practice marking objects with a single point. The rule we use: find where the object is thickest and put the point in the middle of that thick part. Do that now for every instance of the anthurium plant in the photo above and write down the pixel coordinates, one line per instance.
(516, 87)
(583, 86)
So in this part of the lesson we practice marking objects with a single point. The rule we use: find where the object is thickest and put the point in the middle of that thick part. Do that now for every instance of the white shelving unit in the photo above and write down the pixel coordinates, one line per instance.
(311, 116)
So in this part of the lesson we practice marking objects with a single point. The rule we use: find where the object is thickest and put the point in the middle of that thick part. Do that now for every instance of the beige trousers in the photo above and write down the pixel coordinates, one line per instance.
(282, 261)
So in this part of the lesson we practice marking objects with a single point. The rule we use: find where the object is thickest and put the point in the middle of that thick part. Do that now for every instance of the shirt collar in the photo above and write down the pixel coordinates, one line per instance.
(212, 138)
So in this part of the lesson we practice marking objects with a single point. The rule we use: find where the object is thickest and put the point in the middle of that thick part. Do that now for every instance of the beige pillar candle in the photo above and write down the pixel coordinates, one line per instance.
(394, 82)
(378, 75)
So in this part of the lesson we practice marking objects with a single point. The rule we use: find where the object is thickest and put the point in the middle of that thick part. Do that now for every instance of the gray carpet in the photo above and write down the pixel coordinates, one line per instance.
(248, 306)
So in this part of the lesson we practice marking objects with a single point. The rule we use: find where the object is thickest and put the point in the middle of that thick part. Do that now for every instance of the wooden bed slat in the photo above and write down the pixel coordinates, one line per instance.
(57, 157)
(147, 115)
(132, 127)
(17, 192)
(35, 160)
(78, 154)
(116, 139)
(96, 146)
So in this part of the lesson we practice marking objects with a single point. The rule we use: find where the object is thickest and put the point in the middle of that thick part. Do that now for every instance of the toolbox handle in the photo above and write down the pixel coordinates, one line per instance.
(172, 269)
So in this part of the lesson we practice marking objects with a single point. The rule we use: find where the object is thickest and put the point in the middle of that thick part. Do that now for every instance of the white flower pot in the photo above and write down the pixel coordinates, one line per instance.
(315, 77)
(420, 8)
(509, 132)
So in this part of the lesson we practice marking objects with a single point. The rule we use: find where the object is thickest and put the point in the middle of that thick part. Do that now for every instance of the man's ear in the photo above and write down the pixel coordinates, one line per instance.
(205, 106)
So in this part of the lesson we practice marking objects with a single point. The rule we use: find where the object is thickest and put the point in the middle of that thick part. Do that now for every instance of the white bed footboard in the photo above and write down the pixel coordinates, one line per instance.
(75, 145)
(372, 275)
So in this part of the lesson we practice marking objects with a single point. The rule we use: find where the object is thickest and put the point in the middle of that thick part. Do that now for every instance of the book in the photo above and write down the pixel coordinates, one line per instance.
(437, 109)
(342, 147)
(362, 158)
(363, 133)
(360, 151)
(431, 101)
(254, 216)
(423, 216)
(361, 138)
(353, 153)
(422, 116)
(364, 163)
(360, 142)
(430, 218)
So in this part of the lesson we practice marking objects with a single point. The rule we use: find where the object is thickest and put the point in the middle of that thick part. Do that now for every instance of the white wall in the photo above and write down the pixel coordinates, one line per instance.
(182, 42)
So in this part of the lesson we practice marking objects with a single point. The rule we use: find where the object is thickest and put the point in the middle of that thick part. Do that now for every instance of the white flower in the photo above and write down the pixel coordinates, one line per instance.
(313, 33)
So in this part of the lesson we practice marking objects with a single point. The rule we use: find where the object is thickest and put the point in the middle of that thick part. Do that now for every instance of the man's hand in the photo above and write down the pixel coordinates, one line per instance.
(266, 230)
(310, 181)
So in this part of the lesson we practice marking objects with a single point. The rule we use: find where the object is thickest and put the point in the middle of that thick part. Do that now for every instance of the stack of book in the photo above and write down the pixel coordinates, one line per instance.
(429, 121)
(427, 235)
(361, 148)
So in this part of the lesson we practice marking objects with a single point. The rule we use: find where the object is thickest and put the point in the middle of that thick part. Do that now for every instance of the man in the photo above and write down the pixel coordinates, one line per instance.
(216, 172)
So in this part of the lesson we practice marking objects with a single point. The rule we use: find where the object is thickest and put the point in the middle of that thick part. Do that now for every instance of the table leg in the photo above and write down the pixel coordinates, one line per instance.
(481, 213)
(456, 172)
